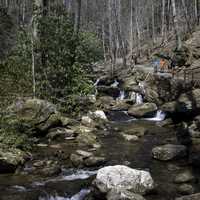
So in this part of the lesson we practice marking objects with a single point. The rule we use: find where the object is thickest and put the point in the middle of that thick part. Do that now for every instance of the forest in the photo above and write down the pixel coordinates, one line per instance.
(99, 99)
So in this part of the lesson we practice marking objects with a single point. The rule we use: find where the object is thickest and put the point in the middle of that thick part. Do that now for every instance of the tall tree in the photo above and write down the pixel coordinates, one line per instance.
(176, 26)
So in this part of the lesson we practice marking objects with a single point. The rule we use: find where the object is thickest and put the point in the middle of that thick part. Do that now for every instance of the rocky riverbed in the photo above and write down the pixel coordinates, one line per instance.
(148, 138)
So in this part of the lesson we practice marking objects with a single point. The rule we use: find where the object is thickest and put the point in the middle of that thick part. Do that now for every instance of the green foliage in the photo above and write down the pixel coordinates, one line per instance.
(15, 70)
(61, 58)
(11, 137)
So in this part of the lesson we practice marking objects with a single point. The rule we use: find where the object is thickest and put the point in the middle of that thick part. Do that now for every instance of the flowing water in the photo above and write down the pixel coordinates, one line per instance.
(74, 184)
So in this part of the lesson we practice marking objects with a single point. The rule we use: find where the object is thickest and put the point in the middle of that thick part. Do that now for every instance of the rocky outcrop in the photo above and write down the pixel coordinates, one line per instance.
(123, 178)
(187, 103)
(169, 152)
(10, 160)
(143, 110)
(33, 114)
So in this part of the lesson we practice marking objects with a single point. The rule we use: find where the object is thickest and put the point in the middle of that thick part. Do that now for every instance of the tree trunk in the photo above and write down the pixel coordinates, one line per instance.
(189, 29)
(112, 47)
(163, 20)
(153, 21)
(77, 17)
(119, 31)
(176, 26)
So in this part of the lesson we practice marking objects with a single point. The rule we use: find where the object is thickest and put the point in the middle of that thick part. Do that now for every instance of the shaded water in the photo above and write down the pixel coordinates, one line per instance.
(74, 184)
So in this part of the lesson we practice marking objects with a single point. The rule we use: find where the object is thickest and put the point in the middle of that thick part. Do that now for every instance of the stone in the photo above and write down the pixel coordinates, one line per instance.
(130, 137)
(125, 178)
(143, 110)
(117, 194)
(84, 154)
(76, 160)
(98, 114)
(185, 189)
(189, 197)
(184, 177)
(137, 131)
(59, 132)
(151, 96)
(87, 121)
(169, 152)
(94, 161)
(11, 159)
(87, 139)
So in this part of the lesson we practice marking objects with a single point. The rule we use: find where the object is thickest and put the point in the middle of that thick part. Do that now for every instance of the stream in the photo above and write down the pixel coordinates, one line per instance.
(74, 184)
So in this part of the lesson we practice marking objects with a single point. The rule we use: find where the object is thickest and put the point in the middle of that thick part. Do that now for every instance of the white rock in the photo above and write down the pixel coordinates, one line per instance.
(125, 178)
(99, 114)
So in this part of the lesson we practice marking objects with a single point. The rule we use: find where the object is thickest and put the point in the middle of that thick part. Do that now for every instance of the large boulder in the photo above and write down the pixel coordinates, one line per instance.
(169, 152)
(11, 159)
(143, 110)
(123, 178)
(186, 103)
(33, 114)
(117, 194)
(151, 96)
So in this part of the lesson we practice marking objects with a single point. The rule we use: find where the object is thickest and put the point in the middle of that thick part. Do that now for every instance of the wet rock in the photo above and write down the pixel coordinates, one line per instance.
(143, 110)
(117, 194)
(46, 168)
(76, 160)
(87, 139)
(59, 132)
(121, 105)
(185, 189)
(169, 152)
(190, 197)
(83, 158)
(11, 159)
(184, 177)
(139, 132)
(125, 178)
(94, 161)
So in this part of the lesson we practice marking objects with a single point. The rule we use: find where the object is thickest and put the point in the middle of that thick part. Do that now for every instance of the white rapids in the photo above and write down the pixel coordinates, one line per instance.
(79, 196)
(160, 116)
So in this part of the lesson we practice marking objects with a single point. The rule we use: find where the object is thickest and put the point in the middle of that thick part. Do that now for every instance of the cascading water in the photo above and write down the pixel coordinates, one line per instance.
(115, 84)
(160, 116)
(121, 95)
(79, 196)
(97, 82)
(139, 98)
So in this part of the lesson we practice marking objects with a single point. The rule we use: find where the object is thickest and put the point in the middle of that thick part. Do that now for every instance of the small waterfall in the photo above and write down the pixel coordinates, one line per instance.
(121, 95)
(97, 82)
(115, 84)
(79, 196)
(141, 85)
(139, 99)
(160, 116)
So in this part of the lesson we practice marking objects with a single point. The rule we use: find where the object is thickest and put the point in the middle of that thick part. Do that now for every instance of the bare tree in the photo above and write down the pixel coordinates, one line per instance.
(176, 26)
